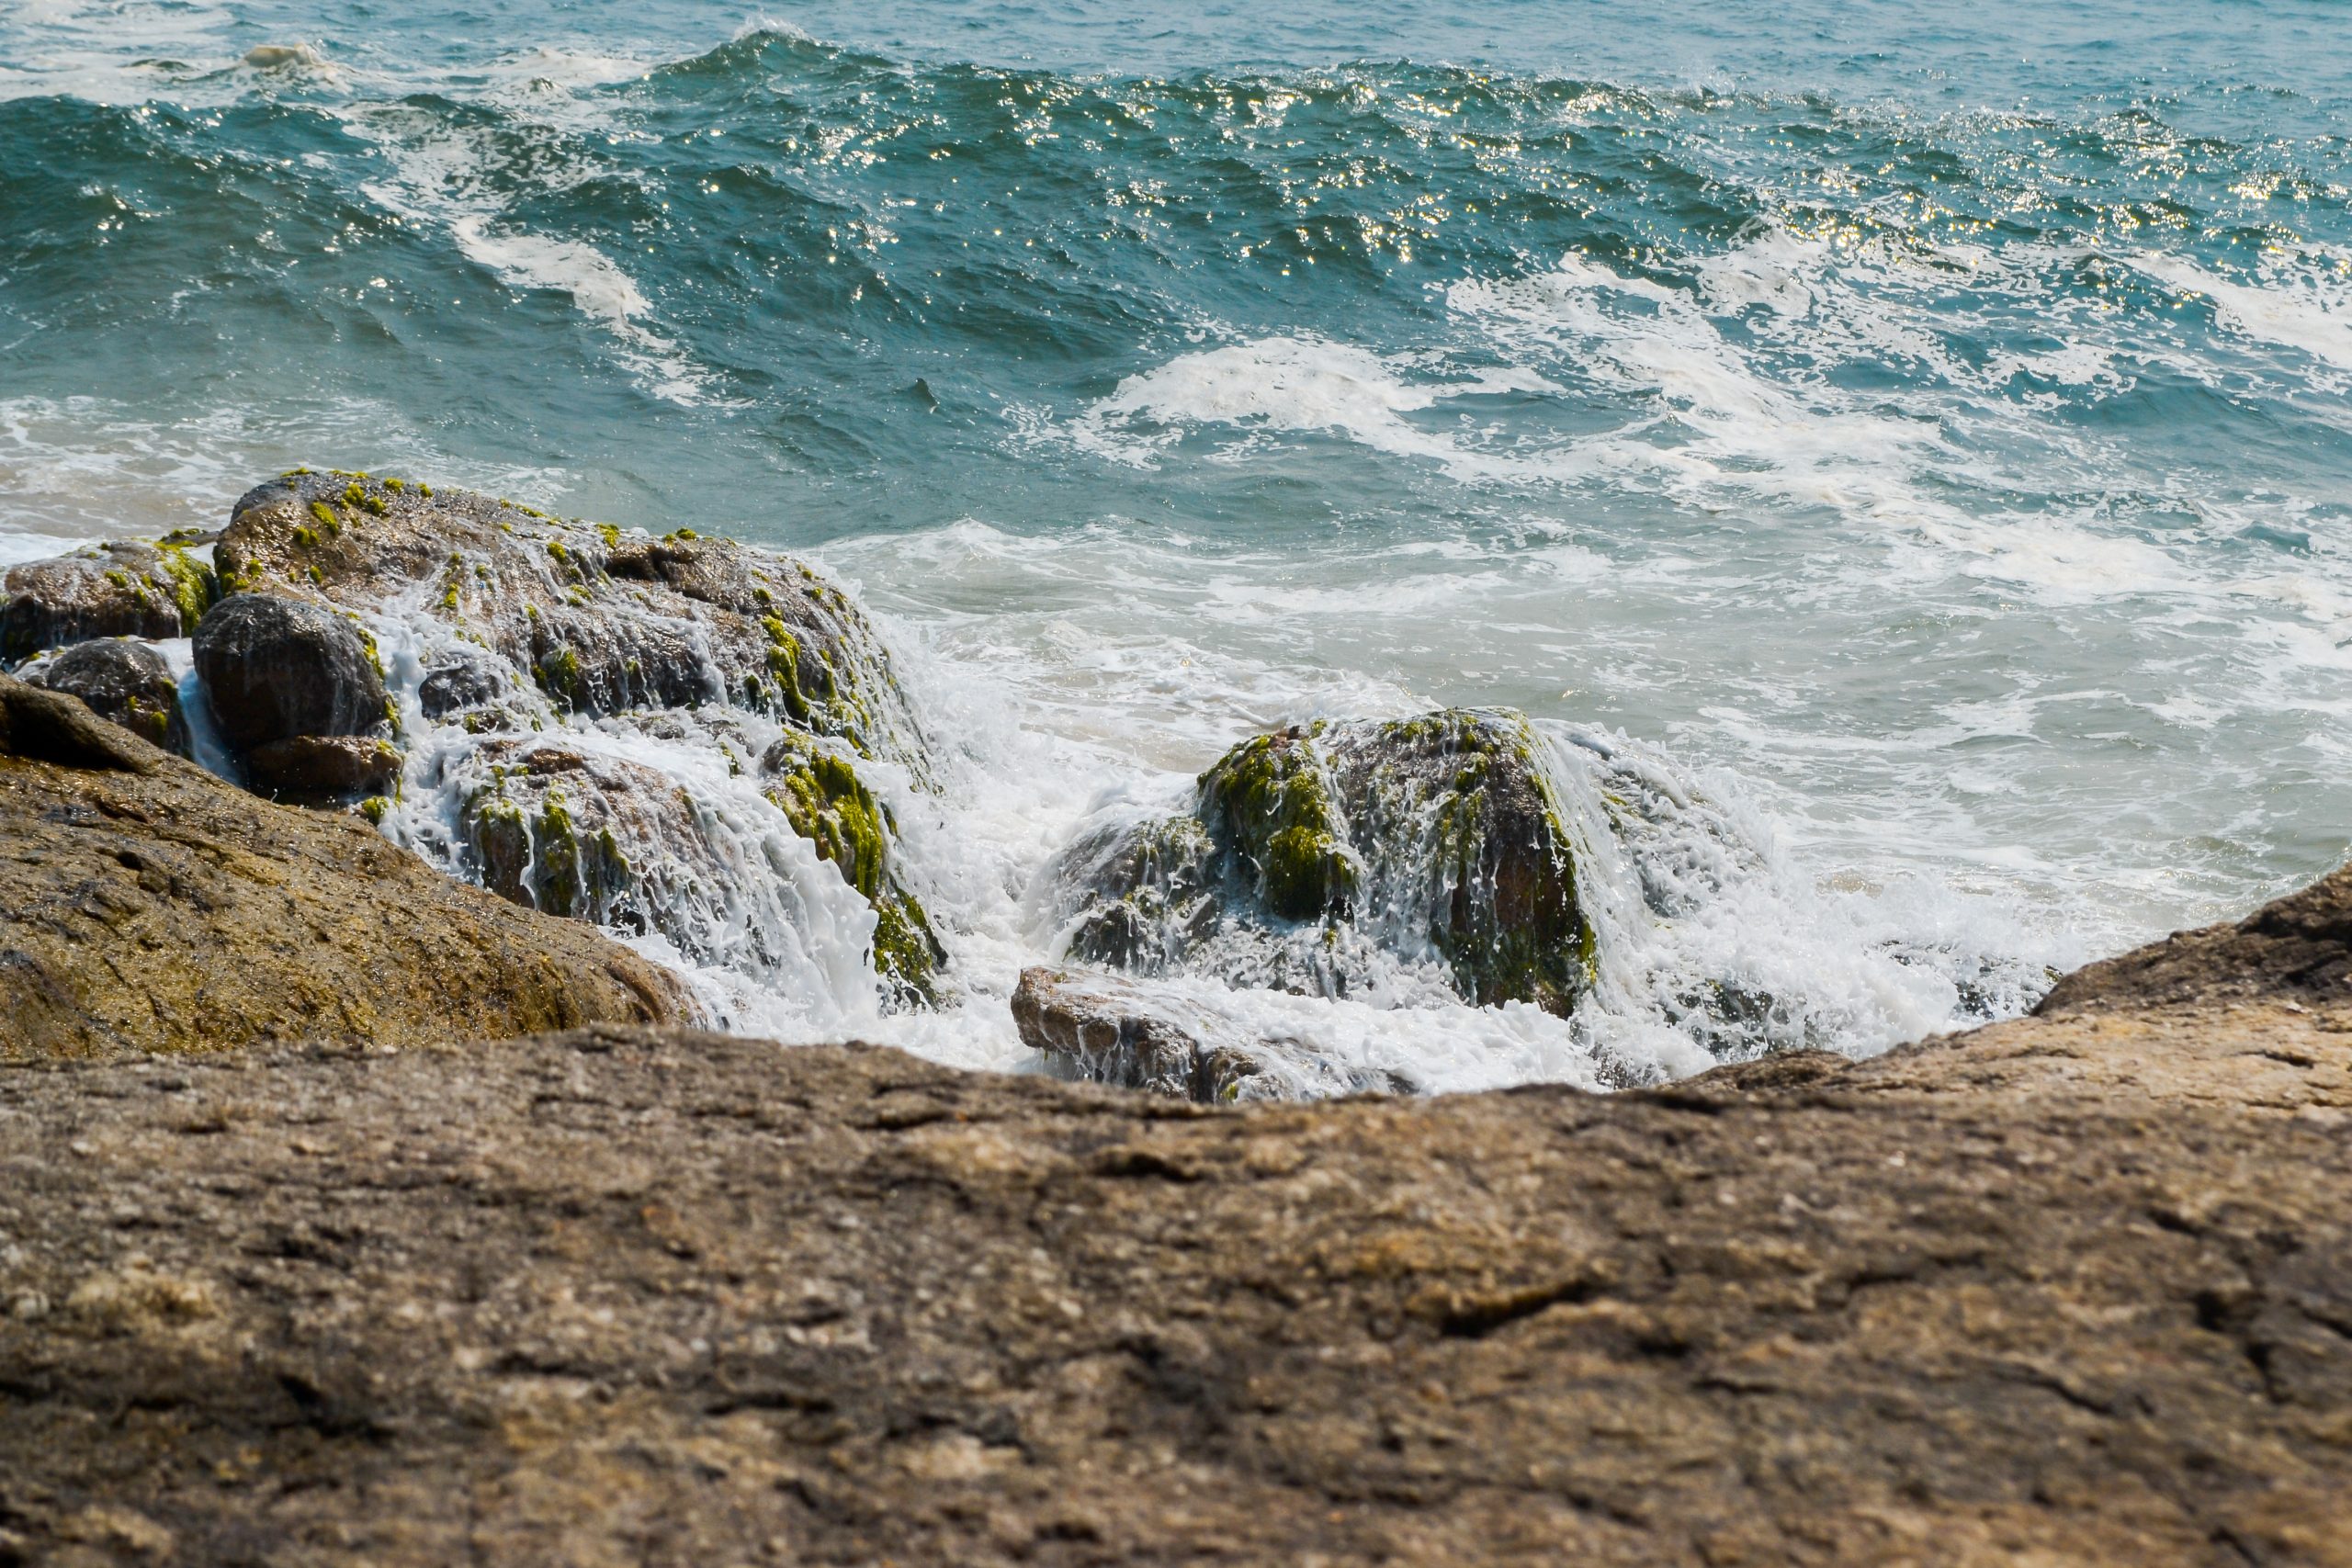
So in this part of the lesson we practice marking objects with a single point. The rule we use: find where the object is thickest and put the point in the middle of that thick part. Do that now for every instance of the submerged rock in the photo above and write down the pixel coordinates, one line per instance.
(146, 905)
(1433, 842)
(122, 682)
(122, 588)
(1105, 1029)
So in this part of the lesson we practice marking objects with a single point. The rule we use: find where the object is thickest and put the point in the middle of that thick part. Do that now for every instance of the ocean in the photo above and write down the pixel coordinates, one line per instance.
(1902, 449)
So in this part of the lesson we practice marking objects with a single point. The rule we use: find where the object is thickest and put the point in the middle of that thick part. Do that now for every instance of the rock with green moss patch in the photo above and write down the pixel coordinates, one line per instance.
(121, 681)
(1318, 856)
(122, 588)
(820, 795)
(599, 620)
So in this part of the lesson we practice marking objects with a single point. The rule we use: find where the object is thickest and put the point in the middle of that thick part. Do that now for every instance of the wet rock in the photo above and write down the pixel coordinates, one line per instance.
(1432, 841)
(146, 905)
(463, 679)
(599, 621)
(274, 667)
(122, 588)
(2070, 1290)
(548, 830)
(1105, 1029)
(322, 769)
(820, 795)
(122, 682)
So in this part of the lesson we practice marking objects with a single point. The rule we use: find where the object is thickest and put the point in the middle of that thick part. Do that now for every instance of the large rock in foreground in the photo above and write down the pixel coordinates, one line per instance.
(145, 904)
(2072, 1290)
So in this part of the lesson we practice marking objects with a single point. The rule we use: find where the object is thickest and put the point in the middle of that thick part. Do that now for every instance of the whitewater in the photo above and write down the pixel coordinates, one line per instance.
(1904, 480)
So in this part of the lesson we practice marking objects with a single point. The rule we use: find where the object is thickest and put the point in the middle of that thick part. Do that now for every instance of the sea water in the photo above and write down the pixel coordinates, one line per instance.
(1898, 454)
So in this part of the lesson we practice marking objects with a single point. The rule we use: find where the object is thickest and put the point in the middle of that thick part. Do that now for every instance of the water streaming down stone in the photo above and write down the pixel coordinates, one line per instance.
(705, 748)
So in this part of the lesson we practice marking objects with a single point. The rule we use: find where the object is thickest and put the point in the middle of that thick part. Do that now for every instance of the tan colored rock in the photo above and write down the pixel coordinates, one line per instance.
(145, 904)
(2074, 1289)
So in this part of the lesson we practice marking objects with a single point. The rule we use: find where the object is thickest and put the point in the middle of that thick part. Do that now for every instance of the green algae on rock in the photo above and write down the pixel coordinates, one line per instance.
(122, 588)
(821, 795)
(1434, 839)
(601, 621)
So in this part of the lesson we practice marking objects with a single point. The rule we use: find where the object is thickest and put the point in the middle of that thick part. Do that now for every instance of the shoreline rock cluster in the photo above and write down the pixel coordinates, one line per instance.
(352, 1213)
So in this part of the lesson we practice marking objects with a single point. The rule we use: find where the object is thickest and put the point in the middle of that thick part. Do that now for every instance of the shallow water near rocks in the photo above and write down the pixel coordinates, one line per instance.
(1899, 462)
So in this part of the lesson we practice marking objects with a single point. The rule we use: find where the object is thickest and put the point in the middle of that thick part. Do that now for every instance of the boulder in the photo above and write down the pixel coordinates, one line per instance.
(1314, 851)
(1107, 1029)
(2070, 1290)
(146, 905)
(122, 588)
(122, 682)
(274, 667)
(601, 621)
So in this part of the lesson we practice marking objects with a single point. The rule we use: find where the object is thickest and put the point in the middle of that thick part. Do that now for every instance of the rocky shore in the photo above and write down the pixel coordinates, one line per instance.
(362, 1202)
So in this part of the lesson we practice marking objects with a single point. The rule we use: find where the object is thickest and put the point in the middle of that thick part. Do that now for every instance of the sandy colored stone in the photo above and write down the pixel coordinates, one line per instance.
(146, 905)
(2072, 1289)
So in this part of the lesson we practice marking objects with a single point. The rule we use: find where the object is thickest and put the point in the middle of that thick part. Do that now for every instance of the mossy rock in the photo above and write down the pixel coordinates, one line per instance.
(598, 620)
(122, 588)
(820, 795)
(1434, 839)
(123, 681)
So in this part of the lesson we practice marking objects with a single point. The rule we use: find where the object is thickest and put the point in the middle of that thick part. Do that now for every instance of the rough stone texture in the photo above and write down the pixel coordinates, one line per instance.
(1108, 1028)
(2072, 1289)
(145, 904)
(122, 682)
(275, 668)
(122, 588)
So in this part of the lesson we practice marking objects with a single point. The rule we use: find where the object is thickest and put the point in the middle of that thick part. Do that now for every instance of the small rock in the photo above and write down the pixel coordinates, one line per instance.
(122, 682)
(323, 769)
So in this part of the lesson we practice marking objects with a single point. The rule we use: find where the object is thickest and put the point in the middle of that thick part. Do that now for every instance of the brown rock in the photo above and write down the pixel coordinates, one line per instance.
(145, 904)
(122, 588)
(317, 769)
(2070, 1290)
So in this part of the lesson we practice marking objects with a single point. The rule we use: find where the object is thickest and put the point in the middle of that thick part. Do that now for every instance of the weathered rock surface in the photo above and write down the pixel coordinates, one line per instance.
(145, 904)
(122, 588)
(1107, 1029)
(122, 682)
(2072, 1289)
(1433, 840)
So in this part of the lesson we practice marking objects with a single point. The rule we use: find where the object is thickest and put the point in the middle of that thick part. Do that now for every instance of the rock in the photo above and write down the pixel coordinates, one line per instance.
(820, 795)
(1432, 840)
(600, 621)
(122, 588)
(2069, 1290)
(274, 667)
(122, 682)
(1105, 1029)
(146, 905)
(596, 839)
(466, 678)
(321, 769)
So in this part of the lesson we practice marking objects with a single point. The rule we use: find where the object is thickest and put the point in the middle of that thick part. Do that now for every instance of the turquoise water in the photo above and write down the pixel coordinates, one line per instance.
(1925, 430)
